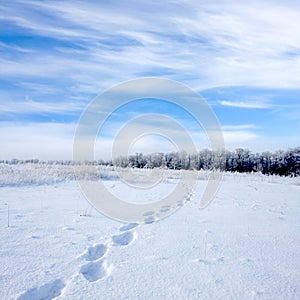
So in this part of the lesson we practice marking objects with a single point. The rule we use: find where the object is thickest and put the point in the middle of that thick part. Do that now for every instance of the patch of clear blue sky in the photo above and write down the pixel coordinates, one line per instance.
(274, 120)
(139, 107)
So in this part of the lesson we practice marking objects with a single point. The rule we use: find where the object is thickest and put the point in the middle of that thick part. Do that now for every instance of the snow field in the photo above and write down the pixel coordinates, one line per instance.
(244, 245)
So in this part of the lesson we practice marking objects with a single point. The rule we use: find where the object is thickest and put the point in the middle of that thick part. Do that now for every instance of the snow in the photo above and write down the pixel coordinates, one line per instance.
(244, 245)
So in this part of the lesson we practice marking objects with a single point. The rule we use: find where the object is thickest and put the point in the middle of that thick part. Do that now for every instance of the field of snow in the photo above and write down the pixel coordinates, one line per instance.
(244, 245)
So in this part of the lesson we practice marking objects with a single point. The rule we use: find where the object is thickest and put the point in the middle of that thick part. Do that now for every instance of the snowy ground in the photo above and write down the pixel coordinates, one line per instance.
(245, 245)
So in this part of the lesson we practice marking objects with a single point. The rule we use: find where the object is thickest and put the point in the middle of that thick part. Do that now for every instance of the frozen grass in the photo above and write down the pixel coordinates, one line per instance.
(40, 174)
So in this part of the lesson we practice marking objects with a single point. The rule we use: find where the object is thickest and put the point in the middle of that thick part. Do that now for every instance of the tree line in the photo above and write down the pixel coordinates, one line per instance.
(283, 163)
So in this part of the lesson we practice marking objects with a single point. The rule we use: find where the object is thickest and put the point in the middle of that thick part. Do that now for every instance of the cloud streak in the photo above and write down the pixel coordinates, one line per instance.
(241, 104)
(202, 44)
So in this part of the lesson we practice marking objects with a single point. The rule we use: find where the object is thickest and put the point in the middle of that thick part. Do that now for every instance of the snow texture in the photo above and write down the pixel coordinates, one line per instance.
(244, 245)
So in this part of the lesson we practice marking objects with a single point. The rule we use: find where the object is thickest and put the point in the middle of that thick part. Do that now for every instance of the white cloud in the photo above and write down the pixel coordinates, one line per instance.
(242, 104)
(238, 137)
(36, 140)
(37, 107)
(239, 127)
(203, 44)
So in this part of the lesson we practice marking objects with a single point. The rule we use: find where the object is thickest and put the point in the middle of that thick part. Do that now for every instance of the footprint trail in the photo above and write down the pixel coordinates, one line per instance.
(96, 267)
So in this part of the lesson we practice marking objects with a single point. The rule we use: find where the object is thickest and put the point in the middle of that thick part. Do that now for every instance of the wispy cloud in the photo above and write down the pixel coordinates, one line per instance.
(201, 44)
(242, 104)
(239, 127)
(29, 106)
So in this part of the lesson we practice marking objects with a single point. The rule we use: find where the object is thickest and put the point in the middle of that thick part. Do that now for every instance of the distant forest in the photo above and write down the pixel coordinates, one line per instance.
(283, 163)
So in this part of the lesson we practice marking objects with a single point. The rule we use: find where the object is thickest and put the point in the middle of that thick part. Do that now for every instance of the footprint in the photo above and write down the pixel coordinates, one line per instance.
(200, 260)
(90, 238)
(36, 237)
(46, 292)
(149, 213)
(69, 228)
(165, 208)
(96, 252)
(256, 293)
(221, 259)
(94, 271)
(149, 220)
(212, 247)
(246, 260)
(219, 281)
(124, 239)
(128, 226)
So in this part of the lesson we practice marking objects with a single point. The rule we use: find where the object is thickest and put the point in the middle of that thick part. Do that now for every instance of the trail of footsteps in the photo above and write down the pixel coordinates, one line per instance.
(96, 269)
(151, 216)
(189, 197)
(99, 268)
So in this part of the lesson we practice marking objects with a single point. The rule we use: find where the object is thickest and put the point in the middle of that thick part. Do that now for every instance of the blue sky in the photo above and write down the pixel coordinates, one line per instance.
(55, 56)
